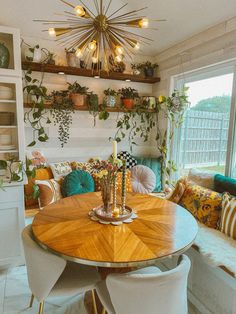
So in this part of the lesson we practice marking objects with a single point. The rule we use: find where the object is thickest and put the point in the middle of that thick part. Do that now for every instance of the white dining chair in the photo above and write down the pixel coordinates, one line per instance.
(51, 275)
(146, 290)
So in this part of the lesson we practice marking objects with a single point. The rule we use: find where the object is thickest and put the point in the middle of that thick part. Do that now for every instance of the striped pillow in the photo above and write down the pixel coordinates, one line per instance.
(228, 218)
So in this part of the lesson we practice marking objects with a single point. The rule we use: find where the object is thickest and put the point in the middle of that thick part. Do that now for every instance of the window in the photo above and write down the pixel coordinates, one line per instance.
(206, 139)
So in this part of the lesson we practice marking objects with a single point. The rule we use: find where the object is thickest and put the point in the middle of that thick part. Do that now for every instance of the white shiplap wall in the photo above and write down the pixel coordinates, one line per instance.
(85, 140)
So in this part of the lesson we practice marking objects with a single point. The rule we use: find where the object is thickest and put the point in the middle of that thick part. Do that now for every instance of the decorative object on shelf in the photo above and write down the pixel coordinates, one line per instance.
(148, 68)
(99, 33)
(72, 60)
(128, 95)
(6, 92)
(5, 139)
(135, 68)
(78, 94)
(149, 102)
(61, 112)
(49, 57)
(7, 118)
(116, 66)
(33, 54)
(110, 97)
(4, 56)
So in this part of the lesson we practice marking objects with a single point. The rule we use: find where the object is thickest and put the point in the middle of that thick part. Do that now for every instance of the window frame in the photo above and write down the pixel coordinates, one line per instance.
(178, 81)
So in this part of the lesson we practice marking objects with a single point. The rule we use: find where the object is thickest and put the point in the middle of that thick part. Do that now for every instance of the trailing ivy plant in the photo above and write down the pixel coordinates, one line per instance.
(173, 108)
(61, 112)
(37, 115)
(135, 124)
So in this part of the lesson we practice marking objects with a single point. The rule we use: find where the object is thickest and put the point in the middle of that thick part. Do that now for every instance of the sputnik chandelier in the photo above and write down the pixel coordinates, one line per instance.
(99, 36)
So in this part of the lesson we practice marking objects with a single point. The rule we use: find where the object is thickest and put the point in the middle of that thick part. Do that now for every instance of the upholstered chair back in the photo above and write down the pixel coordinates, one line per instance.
(159, 293)
(43, 268)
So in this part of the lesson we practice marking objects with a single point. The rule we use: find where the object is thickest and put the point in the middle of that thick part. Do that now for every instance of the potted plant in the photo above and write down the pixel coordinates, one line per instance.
(110, 97)
(128, 95)
(135, 68)
(148, 68)
(78, 94)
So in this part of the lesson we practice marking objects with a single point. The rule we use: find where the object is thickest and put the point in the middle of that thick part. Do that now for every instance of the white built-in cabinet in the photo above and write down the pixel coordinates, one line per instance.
(11, 142)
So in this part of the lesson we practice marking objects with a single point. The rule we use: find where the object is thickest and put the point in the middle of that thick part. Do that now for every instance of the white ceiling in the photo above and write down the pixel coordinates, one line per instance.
(184, 17)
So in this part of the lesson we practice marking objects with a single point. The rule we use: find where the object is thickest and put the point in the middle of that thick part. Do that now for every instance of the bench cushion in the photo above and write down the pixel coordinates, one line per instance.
(216, 248)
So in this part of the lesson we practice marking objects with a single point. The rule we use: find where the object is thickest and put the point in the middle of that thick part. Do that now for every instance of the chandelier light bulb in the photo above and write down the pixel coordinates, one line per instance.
(79, 11)
(94, 59)
(92, 45)
(144, 23)
(78, 53)
(119, 50)
(52, 32)
(118, 59)
(137, 46)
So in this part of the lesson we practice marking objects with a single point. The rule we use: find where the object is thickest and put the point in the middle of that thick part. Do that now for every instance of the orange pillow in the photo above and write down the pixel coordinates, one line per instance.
(41, 174)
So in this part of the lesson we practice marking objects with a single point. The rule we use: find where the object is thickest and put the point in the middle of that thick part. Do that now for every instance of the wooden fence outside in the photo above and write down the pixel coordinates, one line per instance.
(204, 138)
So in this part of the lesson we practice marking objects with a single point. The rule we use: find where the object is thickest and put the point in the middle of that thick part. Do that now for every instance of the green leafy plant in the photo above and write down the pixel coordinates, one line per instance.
(93, 105)
(110, 92)
(14, 168)
(37, 115)
(76, 88)
(135, 125)
(128, 93)
(147, 65)
(61, 111)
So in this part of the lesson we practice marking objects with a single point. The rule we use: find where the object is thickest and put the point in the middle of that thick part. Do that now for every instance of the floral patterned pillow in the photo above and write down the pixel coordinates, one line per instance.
(60, 169)
(204, 204)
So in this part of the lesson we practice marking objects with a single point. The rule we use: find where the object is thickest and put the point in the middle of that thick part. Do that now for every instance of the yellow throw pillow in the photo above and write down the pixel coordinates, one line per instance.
(178, 191)
(204, 204)
(228, 217)
(49, 192)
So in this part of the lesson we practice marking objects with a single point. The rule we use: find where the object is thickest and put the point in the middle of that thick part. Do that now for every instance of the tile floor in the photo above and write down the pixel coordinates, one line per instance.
(15, 297)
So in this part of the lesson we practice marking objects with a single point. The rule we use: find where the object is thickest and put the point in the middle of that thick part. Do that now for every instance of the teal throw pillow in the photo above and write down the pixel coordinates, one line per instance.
(155, 165)
(77, 182)
(224, 184)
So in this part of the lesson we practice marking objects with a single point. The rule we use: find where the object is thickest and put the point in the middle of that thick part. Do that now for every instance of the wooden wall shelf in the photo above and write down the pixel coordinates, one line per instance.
(48, 68)
(85, 108)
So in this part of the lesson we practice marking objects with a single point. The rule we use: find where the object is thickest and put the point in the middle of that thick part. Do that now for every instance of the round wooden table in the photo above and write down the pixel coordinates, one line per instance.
(161, 229)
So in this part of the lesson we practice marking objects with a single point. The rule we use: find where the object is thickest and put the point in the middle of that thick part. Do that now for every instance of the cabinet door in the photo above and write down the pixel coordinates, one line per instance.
(10, 51)
(11, 225)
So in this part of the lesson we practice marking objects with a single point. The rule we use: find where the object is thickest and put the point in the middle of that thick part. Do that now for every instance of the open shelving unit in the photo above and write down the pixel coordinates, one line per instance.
(48, 68)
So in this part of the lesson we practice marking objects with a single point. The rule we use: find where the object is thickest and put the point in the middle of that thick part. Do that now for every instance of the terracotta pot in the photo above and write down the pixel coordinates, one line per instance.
(128, 103)
(78, 99)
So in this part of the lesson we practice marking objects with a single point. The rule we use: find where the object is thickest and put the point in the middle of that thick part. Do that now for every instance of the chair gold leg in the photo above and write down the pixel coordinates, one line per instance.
(103, 311)
(41, 304)
(94, 303)
(31, 300)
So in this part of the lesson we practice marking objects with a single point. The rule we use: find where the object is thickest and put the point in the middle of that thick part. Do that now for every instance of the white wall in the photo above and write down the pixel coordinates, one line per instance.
(85, 139)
